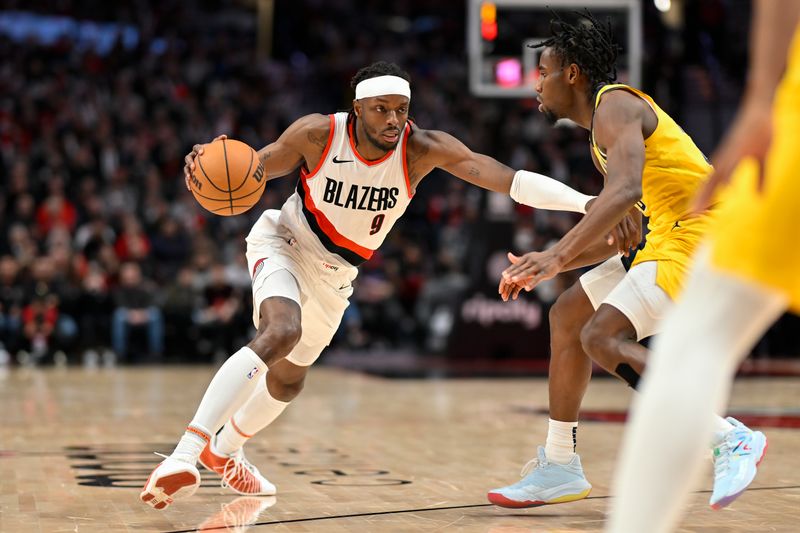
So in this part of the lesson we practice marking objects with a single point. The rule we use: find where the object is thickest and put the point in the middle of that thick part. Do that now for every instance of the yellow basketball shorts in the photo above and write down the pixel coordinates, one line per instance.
(756, 235)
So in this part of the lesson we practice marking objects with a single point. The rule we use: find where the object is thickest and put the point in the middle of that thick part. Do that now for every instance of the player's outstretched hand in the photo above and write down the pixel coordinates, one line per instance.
(532, 268)
(628, 233)
(188, 168)
(508, 289)
(750, 136)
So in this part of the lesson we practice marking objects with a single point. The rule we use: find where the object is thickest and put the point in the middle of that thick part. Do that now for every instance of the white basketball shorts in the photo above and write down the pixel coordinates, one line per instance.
(281, 266)
(634, 293)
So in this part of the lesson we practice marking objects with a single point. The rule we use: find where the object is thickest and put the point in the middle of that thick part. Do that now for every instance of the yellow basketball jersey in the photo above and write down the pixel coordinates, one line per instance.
(674, 169)
(756, 235)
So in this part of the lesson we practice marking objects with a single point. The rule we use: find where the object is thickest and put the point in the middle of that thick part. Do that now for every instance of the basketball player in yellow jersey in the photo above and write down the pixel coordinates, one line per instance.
(647, 161)
(741, 282)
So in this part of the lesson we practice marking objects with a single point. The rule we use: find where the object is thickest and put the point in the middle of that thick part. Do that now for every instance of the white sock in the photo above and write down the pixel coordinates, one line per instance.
(710, 330)
(562, 439)
(231, 387)
(191, 444)
(257, 413)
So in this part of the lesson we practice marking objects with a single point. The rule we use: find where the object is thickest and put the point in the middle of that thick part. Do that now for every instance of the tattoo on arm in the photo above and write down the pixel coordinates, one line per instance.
(474, 171)
(320, 140)
(263, 157)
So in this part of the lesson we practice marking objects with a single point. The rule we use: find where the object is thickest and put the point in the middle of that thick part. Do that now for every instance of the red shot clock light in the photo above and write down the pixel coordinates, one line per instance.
(489, 21)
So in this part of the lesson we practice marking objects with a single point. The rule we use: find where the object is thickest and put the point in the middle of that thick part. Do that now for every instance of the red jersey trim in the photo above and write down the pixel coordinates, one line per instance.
(332, 131)
(328, 229)
(405, 158)
(358, 156)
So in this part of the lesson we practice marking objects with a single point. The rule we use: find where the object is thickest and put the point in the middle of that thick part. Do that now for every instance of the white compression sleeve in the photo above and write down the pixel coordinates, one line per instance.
(541, 192)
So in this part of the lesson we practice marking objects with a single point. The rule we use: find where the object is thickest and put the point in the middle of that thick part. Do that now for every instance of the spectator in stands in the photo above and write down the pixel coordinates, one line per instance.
(11, 304)
(39, 319)
(21, 244)
(95, 317)
(132, 244)
(171, 248)
(56, 210)
(46, 325)
(92, 236)
(219, 315)
(135, 307)
(24, 210)
(179, 304)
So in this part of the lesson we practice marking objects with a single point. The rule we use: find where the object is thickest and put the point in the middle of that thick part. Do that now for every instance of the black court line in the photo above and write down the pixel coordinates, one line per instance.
(422, 510)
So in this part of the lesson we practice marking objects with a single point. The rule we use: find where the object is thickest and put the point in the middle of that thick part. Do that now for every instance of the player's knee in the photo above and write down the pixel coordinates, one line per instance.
(594, 340)
(563, 314)
(285, 335)
(559, 312)
(556, 314)
(275, 341)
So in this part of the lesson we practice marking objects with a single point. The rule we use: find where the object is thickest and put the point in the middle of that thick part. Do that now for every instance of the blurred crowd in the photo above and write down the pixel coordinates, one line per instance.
(105, 256)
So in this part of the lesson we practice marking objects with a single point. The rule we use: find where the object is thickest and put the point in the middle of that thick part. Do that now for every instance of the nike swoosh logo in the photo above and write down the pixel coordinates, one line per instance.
(335, 160)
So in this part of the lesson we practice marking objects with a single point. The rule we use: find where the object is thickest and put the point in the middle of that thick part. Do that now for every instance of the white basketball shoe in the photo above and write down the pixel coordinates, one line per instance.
(172, 479)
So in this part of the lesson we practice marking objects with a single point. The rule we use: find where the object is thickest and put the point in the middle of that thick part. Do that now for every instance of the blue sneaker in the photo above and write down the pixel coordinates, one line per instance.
(544, 483)
(736, 458)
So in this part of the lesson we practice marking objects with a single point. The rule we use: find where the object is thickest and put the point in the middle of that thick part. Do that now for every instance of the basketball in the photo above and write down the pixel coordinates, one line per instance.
(228, 178)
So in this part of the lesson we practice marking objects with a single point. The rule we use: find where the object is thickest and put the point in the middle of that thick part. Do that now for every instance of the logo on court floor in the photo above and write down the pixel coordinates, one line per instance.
(127, 466)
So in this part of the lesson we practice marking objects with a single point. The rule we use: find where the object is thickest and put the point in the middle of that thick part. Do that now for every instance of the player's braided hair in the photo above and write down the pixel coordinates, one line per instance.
(379, 68)
(587, 43)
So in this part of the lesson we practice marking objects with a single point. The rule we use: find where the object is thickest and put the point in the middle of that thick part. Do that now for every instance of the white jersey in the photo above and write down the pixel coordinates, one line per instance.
(347, 202)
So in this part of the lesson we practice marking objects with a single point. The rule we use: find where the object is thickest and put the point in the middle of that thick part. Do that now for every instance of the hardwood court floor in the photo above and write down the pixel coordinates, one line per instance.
(353, 453)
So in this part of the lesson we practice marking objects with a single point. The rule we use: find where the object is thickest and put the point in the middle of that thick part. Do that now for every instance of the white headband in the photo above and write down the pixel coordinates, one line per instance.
(383, 85)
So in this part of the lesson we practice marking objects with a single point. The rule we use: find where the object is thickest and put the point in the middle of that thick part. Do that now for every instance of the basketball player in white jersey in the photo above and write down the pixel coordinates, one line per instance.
(359, 171)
